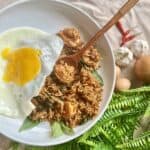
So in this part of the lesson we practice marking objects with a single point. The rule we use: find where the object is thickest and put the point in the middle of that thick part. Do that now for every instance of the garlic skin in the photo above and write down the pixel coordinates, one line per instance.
(123, 56)
(140, 47)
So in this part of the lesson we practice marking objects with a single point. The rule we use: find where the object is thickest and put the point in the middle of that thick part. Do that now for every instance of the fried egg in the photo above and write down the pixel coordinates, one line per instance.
(27, 56)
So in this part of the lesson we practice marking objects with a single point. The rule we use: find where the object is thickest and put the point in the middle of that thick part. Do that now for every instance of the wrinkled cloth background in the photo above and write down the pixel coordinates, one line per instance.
(102, 11)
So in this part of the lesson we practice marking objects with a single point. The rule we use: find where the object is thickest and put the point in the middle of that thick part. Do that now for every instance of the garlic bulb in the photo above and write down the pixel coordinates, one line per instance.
(123, 56)
(140, 47)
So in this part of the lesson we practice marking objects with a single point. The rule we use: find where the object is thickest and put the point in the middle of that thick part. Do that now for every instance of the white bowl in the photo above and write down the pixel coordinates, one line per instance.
(51, 16)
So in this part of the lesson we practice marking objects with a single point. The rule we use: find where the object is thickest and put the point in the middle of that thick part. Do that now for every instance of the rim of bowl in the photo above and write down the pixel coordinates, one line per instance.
(112, 88)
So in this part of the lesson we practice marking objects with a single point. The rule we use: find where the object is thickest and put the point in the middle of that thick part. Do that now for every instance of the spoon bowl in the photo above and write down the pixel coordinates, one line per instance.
(62, 71)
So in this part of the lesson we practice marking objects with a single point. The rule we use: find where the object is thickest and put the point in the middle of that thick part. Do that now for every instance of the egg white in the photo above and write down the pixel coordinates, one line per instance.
(15, 101)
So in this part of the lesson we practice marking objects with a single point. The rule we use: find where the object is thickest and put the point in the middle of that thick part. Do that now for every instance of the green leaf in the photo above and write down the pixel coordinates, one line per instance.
(56, 129)
(36, 148)
(90, 143)
(103, 146)
(98, 77)
(66, 129)
(141, 143)
(28, 124)
(59, 128)
(144, 89)
(14, 146)
(125, 102)
(72, 145)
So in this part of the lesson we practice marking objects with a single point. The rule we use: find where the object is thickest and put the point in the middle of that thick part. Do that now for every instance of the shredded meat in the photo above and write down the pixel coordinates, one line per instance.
(71, 37)
(91, 58)
(72, 40)
(89, 88)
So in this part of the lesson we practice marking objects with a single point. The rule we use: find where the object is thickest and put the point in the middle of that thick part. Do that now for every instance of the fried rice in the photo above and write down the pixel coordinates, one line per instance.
(73, 103)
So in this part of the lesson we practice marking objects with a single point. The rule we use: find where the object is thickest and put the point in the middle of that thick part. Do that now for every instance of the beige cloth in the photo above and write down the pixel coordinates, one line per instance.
(102, 10)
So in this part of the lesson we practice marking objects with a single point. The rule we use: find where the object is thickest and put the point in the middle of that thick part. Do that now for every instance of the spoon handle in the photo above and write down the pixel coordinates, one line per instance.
(126, 7)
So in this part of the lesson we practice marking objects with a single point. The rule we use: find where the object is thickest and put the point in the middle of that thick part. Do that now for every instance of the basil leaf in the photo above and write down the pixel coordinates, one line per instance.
(28, 124)
(98, 77)
(56, 129)
(66, 129)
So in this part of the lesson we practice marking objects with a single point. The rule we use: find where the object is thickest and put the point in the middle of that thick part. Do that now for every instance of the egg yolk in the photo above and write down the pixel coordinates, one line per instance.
(23, 65)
